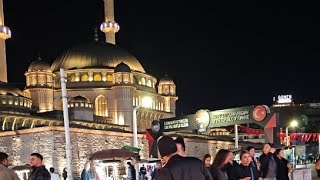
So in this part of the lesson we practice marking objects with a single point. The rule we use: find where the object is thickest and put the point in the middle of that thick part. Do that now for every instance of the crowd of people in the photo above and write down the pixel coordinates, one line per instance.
(270, 165)
(175, 165)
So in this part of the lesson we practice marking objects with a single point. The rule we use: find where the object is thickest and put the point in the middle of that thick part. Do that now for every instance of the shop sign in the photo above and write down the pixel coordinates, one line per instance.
(176, 124)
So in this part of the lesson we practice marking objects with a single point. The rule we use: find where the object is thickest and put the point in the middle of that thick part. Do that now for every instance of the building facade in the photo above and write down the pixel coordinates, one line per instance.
(104, 85)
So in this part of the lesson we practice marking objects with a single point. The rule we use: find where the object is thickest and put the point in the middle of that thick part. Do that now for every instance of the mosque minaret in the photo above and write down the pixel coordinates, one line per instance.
(109, 26)
(5, 33)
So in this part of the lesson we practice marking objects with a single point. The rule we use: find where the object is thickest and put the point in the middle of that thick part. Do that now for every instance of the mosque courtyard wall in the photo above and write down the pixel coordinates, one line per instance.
(50, 142)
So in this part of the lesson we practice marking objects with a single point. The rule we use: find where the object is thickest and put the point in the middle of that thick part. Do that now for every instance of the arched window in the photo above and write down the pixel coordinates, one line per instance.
(49, 79)
(84, 77)
(28, 80)
(97, 77)
(143, 81)
(149, 83)
(109, 77)
(72, 78)
(41, 79)
(101, 106)
(33, 80)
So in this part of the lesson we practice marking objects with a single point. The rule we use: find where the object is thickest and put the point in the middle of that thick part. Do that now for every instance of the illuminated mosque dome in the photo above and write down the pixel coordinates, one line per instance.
(39, 65)
(166, 80)
(96, 55)
(7, 89)
(13, 100)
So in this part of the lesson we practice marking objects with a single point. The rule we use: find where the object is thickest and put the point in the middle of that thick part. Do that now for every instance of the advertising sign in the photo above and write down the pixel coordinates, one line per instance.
(204, 119)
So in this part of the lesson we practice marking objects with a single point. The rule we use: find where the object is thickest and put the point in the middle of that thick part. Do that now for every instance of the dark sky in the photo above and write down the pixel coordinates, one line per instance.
(220, 54)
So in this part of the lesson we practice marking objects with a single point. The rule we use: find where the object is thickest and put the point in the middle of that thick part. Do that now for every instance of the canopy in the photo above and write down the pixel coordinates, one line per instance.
(131, 148)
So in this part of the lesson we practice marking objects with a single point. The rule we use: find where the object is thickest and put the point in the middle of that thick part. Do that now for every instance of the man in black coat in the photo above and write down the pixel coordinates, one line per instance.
(39, 171)
(268, 165)
(131, 172)
(177, 167)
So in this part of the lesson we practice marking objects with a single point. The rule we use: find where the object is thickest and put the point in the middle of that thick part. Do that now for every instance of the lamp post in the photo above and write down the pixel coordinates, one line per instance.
(135, 126)
(66, 124)
(293, 123)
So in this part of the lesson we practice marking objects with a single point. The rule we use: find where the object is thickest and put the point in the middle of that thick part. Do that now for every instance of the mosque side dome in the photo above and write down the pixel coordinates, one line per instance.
(7, 89)
(13, 100)
(79, 99)
(166, 80)
(122, 67)
(96, 55)
(39, 65)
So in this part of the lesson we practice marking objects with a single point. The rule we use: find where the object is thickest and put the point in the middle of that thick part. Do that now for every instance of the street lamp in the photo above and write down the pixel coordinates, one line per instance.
(293, 123)
(135, 126)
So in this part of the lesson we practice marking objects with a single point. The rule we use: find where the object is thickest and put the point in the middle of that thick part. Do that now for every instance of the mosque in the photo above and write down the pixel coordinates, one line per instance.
(107, 90)
(104, 85)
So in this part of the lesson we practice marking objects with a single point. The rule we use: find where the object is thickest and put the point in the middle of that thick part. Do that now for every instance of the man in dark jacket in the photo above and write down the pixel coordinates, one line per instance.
(268, 165)
(39, 171)
(131, 172)
(177, 167)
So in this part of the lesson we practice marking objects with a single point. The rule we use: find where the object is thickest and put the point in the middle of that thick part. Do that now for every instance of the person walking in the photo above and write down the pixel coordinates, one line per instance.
(131, 173)
(5, 172)
(155, 172)
(178, 167)
(39, 171)
(85, 172)
(54, 176)
(64, 174)
(142, 172)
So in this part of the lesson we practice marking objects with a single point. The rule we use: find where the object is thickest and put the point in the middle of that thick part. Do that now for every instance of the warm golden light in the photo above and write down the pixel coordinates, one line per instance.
(147, 102)
(109, 27)
(294, 123)
(5, 32)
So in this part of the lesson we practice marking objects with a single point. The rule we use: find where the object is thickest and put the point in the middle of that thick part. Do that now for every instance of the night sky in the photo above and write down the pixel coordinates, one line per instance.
(220, 54)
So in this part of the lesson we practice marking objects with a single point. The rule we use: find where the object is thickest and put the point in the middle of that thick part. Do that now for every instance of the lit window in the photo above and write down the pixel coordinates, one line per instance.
(101, 108)
(149, 83)
(84, 77)
(97, 77)
(143, 81)
(109, 77)
(72, 78)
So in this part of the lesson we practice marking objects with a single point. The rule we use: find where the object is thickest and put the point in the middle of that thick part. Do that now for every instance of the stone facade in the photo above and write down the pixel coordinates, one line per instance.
(50, 142)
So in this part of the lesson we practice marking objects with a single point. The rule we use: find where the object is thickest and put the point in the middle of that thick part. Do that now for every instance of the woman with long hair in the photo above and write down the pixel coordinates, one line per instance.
(207, 160)
(217, 169)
